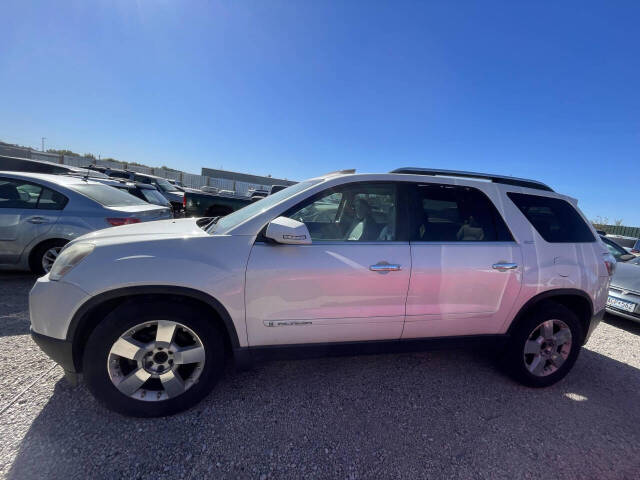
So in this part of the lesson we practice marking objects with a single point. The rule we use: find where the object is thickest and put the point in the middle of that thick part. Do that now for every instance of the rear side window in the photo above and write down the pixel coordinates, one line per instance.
(451, 213)
(555, 220)
(107, 196)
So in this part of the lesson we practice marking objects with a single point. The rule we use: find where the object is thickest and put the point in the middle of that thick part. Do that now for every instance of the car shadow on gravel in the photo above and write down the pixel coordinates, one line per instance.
(14, 306)
(623, 323)
(434, 414)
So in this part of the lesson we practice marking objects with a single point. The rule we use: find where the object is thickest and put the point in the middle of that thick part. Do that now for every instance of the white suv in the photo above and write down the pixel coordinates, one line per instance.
(338, 264)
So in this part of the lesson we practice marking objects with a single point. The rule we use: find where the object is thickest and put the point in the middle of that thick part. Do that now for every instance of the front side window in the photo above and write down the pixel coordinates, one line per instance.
(553, 218)
(358, 212)
(21, 194)
(452, 213)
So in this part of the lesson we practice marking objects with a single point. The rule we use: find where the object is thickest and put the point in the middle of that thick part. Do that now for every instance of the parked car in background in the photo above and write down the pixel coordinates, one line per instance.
(624, 291)
(619, 253)
(174, 194)
(41, 213)
(630, 244)
(144, 191)
(340, 263)
(202, 204)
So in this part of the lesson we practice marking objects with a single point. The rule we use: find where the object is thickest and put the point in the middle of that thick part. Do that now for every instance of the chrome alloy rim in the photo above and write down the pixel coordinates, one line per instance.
(547, 348)
(49, 257)
(156, 360)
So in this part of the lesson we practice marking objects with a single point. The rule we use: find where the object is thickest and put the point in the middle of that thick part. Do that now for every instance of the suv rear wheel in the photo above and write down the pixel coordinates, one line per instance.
(544, 345)
(151, 360)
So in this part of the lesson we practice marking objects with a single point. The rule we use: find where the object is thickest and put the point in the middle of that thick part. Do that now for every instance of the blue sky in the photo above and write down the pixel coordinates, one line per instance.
(547, 90)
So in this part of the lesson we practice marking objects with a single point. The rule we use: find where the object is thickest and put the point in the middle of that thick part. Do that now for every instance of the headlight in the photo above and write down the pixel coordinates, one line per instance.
(69, 258)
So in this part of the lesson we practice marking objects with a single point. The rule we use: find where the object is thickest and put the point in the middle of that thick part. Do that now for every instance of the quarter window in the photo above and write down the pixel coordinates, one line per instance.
(355, 213)
(554, 219)
(451, 213)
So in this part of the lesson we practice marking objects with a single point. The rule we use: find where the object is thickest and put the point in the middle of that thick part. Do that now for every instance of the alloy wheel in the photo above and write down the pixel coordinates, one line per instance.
(547, 347)
(156, 360)
(49, 257)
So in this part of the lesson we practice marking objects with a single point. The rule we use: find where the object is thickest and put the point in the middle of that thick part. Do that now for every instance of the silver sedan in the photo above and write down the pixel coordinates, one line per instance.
(40, 213)
(624, 291)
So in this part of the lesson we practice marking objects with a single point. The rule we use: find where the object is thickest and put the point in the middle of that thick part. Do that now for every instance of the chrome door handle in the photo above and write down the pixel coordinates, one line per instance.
(385, 267)
(504, 266)
(37, 220)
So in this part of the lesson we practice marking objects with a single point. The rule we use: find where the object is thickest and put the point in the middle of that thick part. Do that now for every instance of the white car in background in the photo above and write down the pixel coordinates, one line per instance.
(41, 213)
(338, 264)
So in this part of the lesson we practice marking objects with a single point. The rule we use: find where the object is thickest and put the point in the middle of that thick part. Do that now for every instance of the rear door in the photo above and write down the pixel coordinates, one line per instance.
(466, 267)
(27, 212)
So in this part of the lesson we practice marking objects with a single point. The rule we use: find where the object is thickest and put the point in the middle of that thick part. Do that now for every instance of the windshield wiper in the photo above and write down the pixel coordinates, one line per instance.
(212, 222)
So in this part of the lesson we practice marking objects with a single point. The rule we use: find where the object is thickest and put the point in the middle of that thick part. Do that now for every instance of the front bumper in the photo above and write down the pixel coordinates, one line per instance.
(52, 306)
(60, 351)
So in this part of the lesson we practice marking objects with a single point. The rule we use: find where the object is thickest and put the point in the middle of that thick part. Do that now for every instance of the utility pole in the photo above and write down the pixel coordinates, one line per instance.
(43, 139)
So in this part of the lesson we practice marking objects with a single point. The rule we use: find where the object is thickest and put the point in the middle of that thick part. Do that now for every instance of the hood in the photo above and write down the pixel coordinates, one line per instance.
(161, 229)
(627, 277)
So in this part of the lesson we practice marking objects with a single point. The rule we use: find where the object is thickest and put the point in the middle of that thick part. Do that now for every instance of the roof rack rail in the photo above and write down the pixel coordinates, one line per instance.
(519, 182)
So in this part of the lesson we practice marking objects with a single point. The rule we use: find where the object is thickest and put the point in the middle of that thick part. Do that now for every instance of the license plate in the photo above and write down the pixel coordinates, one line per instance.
(621, 304)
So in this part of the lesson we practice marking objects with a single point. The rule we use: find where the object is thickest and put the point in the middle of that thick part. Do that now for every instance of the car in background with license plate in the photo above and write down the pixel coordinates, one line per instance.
(624, 291)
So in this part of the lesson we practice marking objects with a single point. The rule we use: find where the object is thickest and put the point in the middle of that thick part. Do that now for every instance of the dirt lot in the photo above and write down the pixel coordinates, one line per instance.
(444, 414)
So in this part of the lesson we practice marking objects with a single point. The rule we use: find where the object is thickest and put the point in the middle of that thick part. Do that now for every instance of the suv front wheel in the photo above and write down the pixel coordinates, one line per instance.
(544, 345)
(151, 360)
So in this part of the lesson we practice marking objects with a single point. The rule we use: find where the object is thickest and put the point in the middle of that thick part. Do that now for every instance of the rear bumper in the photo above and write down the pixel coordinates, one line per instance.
(60, 351)
(595, 321)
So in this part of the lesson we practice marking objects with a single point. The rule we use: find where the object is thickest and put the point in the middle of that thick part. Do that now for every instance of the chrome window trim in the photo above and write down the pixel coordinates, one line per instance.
(336, 242)
(453, 242)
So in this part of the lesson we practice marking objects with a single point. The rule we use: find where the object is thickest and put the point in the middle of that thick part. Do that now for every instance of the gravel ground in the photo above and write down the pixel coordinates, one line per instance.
(443, 414)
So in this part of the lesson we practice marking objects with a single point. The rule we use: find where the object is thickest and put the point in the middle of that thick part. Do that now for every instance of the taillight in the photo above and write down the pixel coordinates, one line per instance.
(184, 201)
(633, 250)
(116, 222)
(610, 263)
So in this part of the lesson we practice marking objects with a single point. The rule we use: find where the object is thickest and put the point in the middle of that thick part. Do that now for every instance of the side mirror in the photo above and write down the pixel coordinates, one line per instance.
(288, 231)
(626, 257)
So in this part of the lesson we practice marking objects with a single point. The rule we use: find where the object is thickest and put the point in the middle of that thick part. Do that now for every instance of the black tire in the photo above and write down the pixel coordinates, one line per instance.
(35, 259)
(126, 317)
(513, 359)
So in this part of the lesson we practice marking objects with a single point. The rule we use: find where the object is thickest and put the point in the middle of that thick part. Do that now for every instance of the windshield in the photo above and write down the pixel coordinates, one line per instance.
(260, 206)
(107, 196)
(153, 196)
(166, 185)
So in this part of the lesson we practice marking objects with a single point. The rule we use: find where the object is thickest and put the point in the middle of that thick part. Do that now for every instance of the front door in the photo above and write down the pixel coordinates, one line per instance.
(467, 268)
(350, 284)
